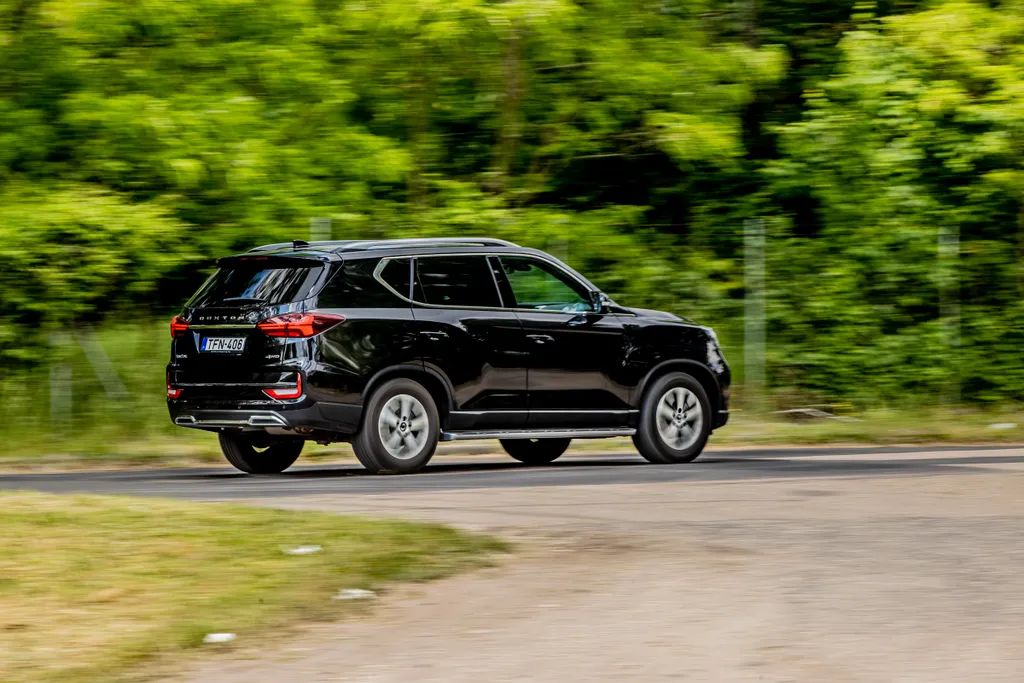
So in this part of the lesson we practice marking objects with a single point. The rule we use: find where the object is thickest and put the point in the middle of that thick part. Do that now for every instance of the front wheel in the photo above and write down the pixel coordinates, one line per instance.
(400, 428)
(535, 451)
(259, 453)
(675, 420)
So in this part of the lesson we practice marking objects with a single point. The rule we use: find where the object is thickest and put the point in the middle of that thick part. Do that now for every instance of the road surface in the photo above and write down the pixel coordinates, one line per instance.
(758, 565)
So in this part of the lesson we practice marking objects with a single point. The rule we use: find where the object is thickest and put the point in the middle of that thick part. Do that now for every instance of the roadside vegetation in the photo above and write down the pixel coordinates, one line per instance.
(94, 587)
(877, 143)
(130, 427)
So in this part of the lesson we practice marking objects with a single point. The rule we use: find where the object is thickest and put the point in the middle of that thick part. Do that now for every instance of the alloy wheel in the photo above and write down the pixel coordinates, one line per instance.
(403, 426)
(680, 418)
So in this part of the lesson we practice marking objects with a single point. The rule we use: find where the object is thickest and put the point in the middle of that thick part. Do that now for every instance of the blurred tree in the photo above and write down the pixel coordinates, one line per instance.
(913, 139)
(139, 140)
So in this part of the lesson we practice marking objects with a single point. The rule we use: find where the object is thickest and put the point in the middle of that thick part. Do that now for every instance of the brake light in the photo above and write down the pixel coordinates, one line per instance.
(171, 391)
(286, 392)
(179, 326)
(299, 324)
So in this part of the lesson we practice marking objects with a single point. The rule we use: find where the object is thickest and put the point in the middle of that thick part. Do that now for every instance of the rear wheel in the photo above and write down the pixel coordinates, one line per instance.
(400, 428)
(675, 420)
(535, 451)
(260, 453)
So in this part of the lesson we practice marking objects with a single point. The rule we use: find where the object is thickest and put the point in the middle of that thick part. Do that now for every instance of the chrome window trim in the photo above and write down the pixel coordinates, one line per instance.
(387, 259)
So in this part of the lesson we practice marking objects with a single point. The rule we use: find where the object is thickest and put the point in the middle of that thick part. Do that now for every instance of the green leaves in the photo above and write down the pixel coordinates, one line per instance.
(140, 140)
(912, 140)
(74, 251)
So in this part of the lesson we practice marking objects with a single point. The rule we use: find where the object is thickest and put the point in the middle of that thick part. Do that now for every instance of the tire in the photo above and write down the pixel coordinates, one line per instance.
(407, 403)
(670, 429)
(259, 453)
(535, 451)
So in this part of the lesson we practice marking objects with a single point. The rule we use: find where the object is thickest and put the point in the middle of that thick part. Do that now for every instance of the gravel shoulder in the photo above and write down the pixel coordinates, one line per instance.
(903, 574)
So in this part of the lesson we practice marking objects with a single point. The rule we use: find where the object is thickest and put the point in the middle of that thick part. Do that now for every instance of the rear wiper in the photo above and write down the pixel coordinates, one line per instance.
(244, 298)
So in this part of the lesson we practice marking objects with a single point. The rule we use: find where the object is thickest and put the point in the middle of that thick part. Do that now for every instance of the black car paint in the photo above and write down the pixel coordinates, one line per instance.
(487, 368)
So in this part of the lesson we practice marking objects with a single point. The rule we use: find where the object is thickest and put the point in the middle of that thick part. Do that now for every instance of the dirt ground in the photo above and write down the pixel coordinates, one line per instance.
(909, 577)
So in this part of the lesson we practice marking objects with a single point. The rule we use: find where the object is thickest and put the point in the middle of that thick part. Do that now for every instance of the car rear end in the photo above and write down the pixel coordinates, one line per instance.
(243, 345)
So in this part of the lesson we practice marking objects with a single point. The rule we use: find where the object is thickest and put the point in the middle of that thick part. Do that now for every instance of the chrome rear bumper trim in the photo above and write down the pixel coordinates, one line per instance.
(263, 419)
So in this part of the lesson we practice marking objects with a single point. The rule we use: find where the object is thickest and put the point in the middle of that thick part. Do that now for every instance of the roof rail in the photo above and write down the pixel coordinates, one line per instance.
(364, 245)
(428, 242)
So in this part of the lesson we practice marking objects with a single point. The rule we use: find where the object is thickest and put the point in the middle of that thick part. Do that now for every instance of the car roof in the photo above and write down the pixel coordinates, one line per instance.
(333, 250)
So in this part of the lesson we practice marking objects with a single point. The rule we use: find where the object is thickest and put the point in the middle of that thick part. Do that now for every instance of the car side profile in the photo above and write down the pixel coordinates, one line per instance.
(394, 345)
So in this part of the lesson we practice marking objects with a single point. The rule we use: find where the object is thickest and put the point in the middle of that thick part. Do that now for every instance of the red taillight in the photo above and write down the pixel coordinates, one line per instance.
(286, 392)
(171, 391)
(299, 324)
(179, 326)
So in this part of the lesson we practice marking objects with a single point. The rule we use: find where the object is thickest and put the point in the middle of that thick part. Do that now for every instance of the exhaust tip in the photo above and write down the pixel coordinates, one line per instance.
(269, 420)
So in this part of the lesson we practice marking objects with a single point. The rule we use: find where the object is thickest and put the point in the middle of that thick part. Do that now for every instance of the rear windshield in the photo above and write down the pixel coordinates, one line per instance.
(243, 284)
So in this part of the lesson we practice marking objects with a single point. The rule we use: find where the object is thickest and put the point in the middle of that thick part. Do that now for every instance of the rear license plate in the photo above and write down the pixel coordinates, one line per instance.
(223, 344)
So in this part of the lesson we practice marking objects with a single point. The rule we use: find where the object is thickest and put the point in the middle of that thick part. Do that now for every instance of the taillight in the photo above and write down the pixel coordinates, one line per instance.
(299, 324)
(171, 391)
(286, 392)
(179, 326)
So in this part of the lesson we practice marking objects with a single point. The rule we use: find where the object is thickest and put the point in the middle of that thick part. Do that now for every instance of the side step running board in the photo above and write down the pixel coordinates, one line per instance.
(538, 434)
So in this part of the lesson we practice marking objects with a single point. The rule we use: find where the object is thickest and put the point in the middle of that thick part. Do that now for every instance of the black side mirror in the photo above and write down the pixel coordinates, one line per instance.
(600, 301)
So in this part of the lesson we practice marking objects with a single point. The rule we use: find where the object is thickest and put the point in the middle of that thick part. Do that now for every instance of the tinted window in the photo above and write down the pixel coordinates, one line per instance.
(541, 285)
(250, 283)
(456, 281)
(396, 274)
(354, 286)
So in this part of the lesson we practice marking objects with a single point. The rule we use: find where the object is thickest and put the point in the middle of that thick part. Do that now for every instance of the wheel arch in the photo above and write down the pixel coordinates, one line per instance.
(433, 380)
(695, 369)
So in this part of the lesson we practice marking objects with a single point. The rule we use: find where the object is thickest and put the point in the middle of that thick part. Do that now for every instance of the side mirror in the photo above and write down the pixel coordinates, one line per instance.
(600, 301)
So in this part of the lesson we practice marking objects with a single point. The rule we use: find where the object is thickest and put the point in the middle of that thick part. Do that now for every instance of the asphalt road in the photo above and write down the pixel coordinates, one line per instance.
(449, 473)
(840, 565)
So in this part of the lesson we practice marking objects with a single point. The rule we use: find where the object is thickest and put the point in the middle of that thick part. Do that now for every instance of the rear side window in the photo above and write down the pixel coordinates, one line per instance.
(396, 273)
(245, 283)
(455, 281)
(354, 286)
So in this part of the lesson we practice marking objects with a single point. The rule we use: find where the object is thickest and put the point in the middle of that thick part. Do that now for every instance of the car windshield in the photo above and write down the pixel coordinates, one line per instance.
(245, 284)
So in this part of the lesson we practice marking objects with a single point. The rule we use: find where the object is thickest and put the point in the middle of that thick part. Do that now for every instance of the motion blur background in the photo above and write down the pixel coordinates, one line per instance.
(840, 180)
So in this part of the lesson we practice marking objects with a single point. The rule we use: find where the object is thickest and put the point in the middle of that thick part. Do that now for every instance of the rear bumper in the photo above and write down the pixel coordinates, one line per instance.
(307, 418)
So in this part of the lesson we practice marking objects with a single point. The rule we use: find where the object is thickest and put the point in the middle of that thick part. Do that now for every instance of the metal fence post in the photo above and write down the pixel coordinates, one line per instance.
(949, 307)
(320, 229)
(754, 314)
(60, 385)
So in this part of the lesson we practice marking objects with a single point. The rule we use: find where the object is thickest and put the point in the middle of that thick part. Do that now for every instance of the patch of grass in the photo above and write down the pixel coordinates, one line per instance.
(877, 427)
(964, 425)
(91, 586)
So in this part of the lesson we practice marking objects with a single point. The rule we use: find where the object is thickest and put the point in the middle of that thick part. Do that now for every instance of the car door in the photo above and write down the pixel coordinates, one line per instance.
(466, 334)
(576, 375)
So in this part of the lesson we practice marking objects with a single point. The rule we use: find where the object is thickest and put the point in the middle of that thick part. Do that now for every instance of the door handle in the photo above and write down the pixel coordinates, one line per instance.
(434, 336)
(541, 338)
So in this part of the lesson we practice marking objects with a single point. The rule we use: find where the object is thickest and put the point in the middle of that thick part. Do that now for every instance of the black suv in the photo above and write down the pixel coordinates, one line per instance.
(394, 345)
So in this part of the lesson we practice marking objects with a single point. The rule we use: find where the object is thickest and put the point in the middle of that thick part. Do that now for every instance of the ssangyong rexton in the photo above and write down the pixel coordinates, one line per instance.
(394, 345)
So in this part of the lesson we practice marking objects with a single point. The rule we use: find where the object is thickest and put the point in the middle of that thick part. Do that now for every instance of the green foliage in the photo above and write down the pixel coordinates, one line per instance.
(66, 253)
(140, 140)
(913, 140)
